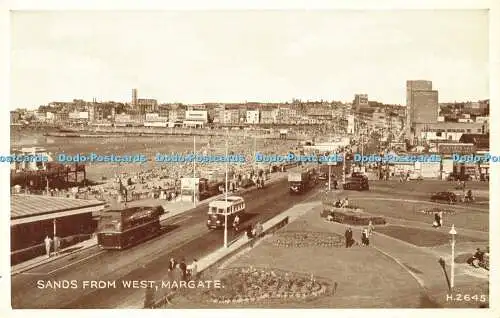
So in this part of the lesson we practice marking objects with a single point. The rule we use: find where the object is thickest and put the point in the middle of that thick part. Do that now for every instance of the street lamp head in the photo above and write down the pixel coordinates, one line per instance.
(453, 231)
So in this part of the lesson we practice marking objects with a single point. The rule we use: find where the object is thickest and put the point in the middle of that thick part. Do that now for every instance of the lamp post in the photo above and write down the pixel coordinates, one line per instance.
(343, 167)
(226, 208)
(255, 151)
(453, 232)
(329, 176)
(362, 149)
(194, 170)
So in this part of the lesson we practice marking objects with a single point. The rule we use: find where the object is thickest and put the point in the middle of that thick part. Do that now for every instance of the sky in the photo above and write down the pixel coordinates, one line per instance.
(237, 56)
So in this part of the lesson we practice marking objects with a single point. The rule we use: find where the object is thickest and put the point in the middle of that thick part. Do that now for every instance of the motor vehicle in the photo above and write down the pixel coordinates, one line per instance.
(416, 176)
(447, 197)
(357, 181)
(302, 179)
(119, 229)
(458, 177)
(358, 175)
(218, 209)
(323, 176)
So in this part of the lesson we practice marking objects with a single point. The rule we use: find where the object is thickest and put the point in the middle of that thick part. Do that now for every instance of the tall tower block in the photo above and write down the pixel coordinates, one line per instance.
(134, 97)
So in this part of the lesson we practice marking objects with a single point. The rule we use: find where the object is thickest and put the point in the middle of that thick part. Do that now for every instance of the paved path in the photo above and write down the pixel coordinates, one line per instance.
(420, 262)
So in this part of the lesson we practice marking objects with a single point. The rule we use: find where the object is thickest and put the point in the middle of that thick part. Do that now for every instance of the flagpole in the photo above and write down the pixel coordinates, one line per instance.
(225, 212)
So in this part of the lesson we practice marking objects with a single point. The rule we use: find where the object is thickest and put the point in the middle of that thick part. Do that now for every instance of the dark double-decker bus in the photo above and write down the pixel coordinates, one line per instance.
(119, 229)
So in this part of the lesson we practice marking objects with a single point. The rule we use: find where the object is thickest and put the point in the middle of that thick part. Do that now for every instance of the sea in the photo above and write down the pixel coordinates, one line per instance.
(106, 145)
(148, 146)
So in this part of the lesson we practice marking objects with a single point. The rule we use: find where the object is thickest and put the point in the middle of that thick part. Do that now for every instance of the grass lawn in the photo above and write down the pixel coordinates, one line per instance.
(365, 278)
(423, 189)
(457, 298)
(463, 218)
(427, 186)
(420, 237)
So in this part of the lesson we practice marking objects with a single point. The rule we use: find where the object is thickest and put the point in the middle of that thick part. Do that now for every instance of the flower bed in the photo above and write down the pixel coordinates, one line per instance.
(437, 210)
(308, 239)
(351, 217)
(252, 285)
(328, 209)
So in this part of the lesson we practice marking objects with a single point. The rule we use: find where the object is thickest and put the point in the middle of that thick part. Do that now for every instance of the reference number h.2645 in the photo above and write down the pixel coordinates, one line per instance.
(467, 297)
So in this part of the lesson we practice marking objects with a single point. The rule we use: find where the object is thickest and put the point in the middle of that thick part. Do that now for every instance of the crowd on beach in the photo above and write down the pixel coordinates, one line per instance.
(163, 181)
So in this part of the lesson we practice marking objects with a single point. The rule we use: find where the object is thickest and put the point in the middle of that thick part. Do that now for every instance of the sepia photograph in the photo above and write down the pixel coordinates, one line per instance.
(245, 159)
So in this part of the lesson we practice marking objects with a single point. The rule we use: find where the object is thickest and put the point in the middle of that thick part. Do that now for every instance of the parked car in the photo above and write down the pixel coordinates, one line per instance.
(447, 197)
(458, 177)
(416, 176)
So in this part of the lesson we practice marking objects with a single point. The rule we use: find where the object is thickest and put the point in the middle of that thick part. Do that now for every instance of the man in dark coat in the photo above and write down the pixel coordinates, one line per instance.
(249, 232)
(437, 220)
(183, 267)
(348, 237)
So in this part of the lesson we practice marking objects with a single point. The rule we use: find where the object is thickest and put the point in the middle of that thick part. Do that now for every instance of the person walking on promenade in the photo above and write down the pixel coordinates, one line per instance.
(367, 237)
(193, 269)
(363, 237)
(177, 274)
(171, 264)
(236, 224)
(370, 228)
(183, 267)
(259, 230)
(437, 221)
(348, 237)
(48, 243)
(249, 232)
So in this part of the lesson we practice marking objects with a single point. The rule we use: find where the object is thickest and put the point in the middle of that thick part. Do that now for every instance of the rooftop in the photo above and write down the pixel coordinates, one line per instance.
(23, 205)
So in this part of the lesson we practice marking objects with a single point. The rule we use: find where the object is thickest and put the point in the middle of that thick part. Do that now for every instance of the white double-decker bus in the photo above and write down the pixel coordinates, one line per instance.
(218, 208)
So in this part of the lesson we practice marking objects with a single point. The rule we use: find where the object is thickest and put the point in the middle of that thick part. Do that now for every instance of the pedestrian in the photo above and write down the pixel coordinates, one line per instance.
(348, 237)
(367, 237)
(440, 219)
(249, 232)
(370, 228)
(57, 244)
(363, 237)
(183, 267)
(48, 243)
(259, 230)
(193, 268)
(436, 220)
(177, 273)
(171, 264)
(236, 224)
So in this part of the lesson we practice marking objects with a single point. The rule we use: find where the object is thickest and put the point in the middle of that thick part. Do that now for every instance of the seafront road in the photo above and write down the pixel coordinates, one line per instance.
(187, 236)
